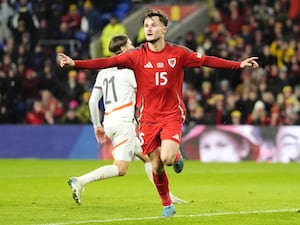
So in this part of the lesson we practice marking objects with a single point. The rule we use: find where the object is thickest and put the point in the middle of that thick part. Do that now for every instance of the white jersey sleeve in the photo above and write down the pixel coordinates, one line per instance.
(94, 106)
(94, 102)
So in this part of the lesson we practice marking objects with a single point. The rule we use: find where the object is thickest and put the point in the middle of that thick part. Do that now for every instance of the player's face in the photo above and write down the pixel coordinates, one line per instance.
(288, 147)
(218, 146)
(154, 29)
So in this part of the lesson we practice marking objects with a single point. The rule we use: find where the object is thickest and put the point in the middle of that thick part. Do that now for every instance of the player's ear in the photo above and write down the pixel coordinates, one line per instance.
(123, 48)
(165, 29)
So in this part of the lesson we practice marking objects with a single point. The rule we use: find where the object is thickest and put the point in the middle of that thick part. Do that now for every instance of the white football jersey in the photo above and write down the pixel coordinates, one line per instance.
(118, 88)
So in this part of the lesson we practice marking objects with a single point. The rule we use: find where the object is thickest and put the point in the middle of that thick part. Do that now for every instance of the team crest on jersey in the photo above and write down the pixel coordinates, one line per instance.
(172, 62)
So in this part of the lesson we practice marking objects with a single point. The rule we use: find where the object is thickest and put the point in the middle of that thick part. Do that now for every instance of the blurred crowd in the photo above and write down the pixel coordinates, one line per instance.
(33, 90)
(269, 95)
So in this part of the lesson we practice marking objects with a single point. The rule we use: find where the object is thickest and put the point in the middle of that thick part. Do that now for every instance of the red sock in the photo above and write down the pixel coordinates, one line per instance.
(162, 185)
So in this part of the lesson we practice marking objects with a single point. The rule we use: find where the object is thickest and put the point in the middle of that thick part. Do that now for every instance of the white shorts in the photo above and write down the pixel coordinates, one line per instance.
(124, 140)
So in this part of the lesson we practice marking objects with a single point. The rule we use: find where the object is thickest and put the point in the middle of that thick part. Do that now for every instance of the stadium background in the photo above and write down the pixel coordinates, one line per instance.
(44, 116)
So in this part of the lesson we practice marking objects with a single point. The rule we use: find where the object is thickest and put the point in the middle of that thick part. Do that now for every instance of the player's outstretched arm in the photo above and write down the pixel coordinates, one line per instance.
(217, 62)
(250, 62)
(93, 64)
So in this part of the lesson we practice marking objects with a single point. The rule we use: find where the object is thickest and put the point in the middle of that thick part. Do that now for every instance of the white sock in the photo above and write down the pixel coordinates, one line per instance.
(101, 173)
(148, 170)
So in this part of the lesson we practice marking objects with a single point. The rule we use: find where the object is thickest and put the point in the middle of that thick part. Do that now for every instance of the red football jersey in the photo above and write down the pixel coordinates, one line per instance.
(159, 76)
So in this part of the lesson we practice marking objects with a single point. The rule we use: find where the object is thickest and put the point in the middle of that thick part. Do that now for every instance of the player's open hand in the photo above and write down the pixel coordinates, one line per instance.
(250, 62)
(64, 60)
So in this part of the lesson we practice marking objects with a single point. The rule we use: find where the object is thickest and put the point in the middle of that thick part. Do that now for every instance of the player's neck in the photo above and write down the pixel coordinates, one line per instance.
(157, 46)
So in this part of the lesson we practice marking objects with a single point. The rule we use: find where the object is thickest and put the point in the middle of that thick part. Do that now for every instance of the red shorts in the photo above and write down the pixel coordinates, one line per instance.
(151, 134)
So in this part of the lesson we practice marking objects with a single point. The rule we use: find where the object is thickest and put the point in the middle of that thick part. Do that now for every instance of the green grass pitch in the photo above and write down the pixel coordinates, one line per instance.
(35, 192)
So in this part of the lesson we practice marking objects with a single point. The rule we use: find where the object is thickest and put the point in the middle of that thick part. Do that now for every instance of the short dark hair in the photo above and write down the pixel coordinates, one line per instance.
(161, 15)
(117, 42)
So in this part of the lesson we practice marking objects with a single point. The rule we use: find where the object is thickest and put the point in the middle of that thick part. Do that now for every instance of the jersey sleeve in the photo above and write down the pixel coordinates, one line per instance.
(192, 59)
(98, 63)
(195, 59)
(127, 59)
(98, 78)
(94, 106)
(216, 62)
(131, 79)
(124, 60)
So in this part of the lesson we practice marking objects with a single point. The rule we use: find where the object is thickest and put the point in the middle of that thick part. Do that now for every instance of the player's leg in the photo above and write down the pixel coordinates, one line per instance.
(148, 170)
(150, 137)
(171, 155)
(161, 183)
(169, 151)
(170, 136)
(123, 145)
(119, 168)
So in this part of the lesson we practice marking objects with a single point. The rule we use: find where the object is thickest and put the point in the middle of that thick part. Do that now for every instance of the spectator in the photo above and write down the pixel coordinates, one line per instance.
(44, 31)
(236, 117)
(64, 32)
(25, 19)
(36, 116)
(258, 115)
(7, 64)
(190, 40)
(114, 27)
(30, 86)
(92, 19)
(3, 111)
(37, 58)
(234, 18)
(12, 95)
(49, 80)
(71, 90)
(70, 116)
(82, 79)
(72, 18)
(6, 12)
(52, 107)
(83, 111)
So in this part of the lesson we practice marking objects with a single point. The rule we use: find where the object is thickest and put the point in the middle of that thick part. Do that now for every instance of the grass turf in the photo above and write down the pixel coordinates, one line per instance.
(35, 192)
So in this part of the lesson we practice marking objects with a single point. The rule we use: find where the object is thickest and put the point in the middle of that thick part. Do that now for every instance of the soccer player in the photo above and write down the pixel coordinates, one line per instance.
(118, 89)
(159, 69)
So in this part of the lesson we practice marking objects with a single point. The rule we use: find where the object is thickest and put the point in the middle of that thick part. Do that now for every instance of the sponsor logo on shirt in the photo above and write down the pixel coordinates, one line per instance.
(176, 136)
(199, 55)
(160, 65)
(148, 65)
(172, 62)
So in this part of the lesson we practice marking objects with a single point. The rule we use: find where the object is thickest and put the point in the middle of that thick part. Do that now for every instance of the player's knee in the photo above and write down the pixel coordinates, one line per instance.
(168, 161)
(122, 172)
(122, 167)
